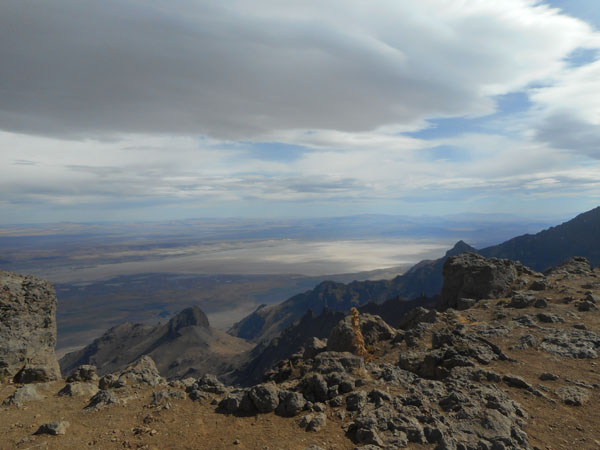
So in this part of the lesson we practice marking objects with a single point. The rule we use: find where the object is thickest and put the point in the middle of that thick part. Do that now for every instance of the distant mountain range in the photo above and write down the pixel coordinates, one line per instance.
(577, 237)
(187, 344)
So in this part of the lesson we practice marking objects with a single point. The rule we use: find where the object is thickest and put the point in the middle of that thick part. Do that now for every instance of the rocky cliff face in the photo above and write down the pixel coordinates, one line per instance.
(27, 328)
(471, 276)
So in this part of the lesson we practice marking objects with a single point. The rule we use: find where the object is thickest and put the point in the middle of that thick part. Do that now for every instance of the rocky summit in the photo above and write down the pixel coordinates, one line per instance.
(27, 329)
(508, 361)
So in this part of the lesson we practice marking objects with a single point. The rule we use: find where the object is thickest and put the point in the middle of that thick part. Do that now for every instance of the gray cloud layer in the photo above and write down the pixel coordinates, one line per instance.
(236, 69)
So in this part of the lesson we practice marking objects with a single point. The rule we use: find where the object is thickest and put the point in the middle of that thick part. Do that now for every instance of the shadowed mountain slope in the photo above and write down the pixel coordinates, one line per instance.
(268, 321)
(577, 237)
(185, 345)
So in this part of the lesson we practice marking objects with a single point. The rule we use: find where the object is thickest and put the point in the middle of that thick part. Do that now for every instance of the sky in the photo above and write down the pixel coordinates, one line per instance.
(153, 109)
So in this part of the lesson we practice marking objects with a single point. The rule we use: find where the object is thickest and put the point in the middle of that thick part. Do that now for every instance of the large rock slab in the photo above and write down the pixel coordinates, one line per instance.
(473, 276)
(373, 328)
(27, 328)
(143, 371)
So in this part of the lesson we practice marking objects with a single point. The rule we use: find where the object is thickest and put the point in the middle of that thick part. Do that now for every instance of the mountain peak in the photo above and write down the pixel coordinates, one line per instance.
(460, 247)
(189, 317)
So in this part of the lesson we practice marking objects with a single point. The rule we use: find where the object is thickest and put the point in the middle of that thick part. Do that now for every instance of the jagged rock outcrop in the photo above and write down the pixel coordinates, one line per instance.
(267, 322)
(577, 265)
(27, 329)
(472, 276)
(264, 357)
(184, 346)
(141, 372)
(373, 328)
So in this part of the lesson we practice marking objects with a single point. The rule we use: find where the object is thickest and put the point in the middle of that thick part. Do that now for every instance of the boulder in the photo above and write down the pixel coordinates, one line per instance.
(27, 328)
(573, 395)
(578, 265)
(373, 328)
(231, 403)
(520, 301)
(356, 401)
(417, 316)
(473, 276)
(265, 397)
(83, 373)
(27, 393)
(78, 389)
(328, 362)
(209, 383)
(313, 347)
(53, 428)
(102, 399)
(290, 403)
(141, 372)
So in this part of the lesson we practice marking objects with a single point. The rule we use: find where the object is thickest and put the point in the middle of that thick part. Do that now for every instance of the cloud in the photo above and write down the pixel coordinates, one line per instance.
(238, 70)
(567, 114)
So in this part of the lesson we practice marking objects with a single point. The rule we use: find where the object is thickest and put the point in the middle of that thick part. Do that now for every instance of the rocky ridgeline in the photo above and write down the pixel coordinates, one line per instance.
(27, 329)
(449, 379)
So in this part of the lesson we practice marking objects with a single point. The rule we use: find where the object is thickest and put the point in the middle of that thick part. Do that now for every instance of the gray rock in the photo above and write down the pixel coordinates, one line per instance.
(196, 395)
(515, 381)
(84, 373)
(593, 298)
(378, 396)
(540, 303)
(526, 321)
(314, 387)
(525, 342)
(210, 383)
(24, 394)
(111, 381)
(53, 428)
(290, 404)
(77, 389)
(465, 303)
(549, 318)
(418, 316)
(265, 397)
(577, 265)
(313, 346)
(163, 398)
(368, 436)
(586, 306)
(470, 275)
(573, 395)
(336, 402)
(231, 403)
(356, 401)
(547, 376)
(572, 343)
(313, 422)
(520, 301)
(102, 399)
(328, 362)
(141, 372)
(27, 329)
(539, 285)
(373, 328)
